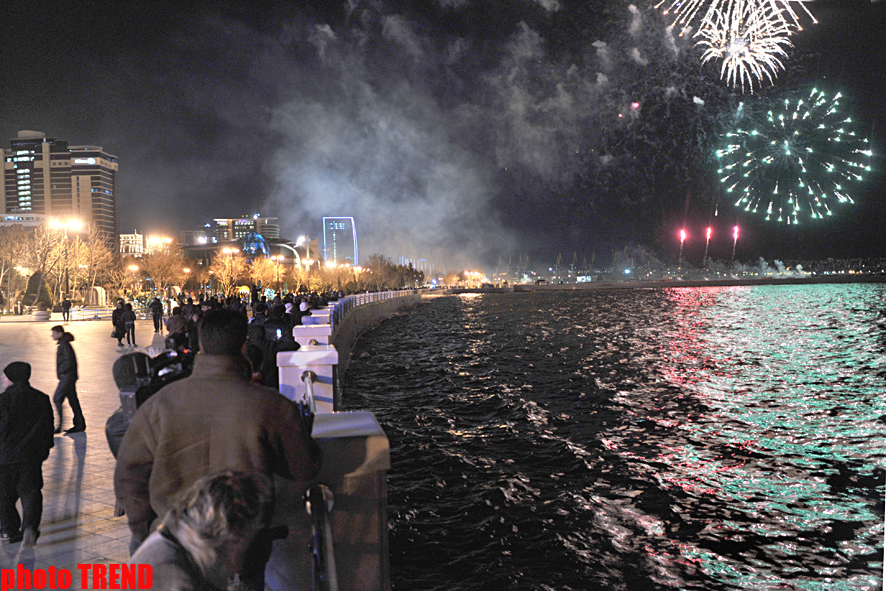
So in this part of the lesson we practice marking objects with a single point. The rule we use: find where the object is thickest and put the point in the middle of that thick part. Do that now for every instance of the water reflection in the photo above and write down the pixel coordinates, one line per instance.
(720, 438)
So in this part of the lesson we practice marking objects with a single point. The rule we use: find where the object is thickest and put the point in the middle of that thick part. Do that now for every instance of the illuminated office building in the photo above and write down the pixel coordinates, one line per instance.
(224, 229)
(47, 176)
(340, 241)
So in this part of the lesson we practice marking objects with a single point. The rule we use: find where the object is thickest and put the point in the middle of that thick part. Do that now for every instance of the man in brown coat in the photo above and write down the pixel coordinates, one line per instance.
(212, 421)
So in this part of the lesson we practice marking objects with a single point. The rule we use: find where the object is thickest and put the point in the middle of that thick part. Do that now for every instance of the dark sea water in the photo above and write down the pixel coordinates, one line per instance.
(710, 438)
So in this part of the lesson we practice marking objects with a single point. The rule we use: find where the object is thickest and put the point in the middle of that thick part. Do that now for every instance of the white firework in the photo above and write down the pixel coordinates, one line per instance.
(749, 38)
(685, 11)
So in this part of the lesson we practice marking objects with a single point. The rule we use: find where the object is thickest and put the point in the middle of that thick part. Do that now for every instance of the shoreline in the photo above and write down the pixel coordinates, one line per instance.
(594, 285)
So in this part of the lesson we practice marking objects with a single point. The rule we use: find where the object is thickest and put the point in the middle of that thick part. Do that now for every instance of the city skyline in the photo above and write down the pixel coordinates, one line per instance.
(73, 185)
(462, 131)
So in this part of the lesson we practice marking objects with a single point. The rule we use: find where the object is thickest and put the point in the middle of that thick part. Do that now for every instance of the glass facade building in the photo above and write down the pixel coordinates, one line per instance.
(224, 229)
(340, 241)
(47, 176)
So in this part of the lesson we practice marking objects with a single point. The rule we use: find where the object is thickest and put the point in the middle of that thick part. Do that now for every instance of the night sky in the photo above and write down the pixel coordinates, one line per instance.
(459, 131)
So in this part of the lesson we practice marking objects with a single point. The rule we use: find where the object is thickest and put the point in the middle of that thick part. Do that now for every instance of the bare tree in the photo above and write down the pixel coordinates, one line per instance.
(13, 252)
(266, 272)
(102, 263)
(45, 252)
(228, 271)
(164, 267)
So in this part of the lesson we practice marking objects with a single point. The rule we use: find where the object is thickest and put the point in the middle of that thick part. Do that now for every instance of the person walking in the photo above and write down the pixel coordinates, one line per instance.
(25, 441)
(129, 324)
(156, 307)
(119, 324)
(66, 370)
(66, 310)
(214, 420)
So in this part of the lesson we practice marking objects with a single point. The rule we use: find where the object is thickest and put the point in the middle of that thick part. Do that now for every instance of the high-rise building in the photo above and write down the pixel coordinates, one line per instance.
(47, 176)
(340, 241)
(224, 229)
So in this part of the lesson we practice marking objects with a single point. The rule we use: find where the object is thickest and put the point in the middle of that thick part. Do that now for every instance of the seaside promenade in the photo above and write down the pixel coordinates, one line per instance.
(78, 525)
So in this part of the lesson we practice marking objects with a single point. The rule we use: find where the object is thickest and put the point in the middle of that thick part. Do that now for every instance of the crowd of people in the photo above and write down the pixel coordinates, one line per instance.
(193, 472)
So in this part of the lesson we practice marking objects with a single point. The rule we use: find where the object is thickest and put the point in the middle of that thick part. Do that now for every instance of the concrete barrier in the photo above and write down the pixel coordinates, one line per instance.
(356, 456)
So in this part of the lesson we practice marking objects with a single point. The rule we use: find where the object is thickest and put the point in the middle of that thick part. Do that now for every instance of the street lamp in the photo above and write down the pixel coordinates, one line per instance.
(278, 259)
(158, 243)
(75, 225)
(306, 242)
(134, 269)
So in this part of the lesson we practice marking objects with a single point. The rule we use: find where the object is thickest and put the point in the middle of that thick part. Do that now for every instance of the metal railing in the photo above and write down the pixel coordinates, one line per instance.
(348, 303)
(308, 378)
(318, 503)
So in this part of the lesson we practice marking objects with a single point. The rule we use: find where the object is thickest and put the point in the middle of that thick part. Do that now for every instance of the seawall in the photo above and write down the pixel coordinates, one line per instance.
(363, 318)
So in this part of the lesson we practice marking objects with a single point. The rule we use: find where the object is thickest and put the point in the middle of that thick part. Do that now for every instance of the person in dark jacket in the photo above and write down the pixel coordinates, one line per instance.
(156, 307)
(119, 324)
(177, 322)
(181, 434)
(25, 441)
(66, 310)
(129, 324)
(66, 370)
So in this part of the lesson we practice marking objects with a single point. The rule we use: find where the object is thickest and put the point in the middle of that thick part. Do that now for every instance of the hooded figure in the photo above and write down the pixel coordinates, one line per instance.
(66, 370)
(25, 440)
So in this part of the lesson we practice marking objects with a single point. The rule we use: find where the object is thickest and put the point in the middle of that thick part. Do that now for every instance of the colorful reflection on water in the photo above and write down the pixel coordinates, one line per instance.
(713, 438)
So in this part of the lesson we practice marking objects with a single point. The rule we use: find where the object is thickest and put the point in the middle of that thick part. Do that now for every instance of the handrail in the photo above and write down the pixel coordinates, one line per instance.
(348, 303)
(318, 503)
(308, 378)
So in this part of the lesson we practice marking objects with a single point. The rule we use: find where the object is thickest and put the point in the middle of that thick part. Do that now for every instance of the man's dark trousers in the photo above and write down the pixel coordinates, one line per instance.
(67, 389)
(21, 480)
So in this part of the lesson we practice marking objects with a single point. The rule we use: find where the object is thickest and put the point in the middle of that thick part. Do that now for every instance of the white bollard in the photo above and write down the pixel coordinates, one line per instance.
(320, 360)
(320, 333)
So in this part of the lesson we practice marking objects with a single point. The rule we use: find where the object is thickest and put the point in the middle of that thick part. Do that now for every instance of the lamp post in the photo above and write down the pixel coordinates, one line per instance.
(134, 269)
(187, 272)
(277, 259)
(306, 241)
(75, 225)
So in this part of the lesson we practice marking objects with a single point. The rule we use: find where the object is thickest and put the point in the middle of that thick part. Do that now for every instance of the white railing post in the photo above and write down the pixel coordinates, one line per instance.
(317, 359)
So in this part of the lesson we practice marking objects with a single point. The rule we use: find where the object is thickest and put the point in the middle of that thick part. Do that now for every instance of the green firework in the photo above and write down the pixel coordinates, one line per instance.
(798, 162)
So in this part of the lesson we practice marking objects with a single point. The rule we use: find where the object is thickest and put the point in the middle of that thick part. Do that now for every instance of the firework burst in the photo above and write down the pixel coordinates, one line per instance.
(685, 11)
(749, 40)
(802, 159)
(749, 36)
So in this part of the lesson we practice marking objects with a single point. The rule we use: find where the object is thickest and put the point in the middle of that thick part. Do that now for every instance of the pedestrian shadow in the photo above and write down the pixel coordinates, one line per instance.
(74, 484)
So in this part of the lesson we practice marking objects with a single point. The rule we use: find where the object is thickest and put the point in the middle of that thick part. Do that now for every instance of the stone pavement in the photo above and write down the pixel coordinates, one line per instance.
(78, 525)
